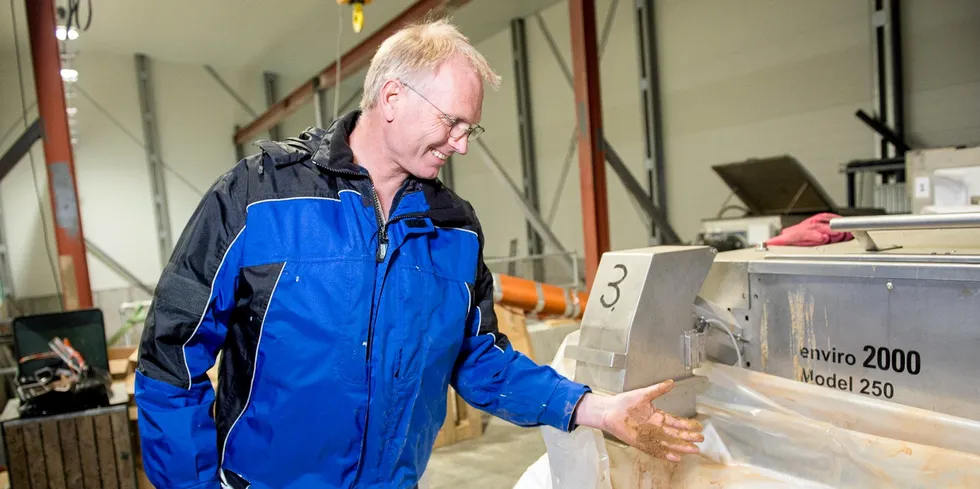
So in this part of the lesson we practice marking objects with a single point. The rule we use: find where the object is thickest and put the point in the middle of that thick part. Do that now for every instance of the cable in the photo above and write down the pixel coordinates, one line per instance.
(30, 153)
(745, 210)
(336, 85)
(720, 325)
(73, 15)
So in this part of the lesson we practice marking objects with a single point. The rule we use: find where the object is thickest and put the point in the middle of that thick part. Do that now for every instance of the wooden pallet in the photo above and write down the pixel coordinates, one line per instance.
(90, 449)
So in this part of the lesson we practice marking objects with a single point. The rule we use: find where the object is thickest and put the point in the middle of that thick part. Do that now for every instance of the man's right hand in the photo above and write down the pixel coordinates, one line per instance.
(632, 418)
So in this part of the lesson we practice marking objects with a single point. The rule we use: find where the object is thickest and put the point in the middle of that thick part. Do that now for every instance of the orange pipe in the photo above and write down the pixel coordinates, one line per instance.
(538, 298)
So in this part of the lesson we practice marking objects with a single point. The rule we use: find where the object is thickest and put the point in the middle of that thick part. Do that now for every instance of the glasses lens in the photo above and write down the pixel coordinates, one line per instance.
(460, 130)
(457, 131)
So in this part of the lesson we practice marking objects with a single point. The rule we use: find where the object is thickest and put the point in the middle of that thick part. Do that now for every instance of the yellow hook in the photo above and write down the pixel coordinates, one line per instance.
(358, 16)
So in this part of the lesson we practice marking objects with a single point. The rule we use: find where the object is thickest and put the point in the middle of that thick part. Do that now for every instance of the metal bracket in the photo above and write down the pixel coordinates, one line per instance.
(694, 345)
(595, 357)
(869, 244)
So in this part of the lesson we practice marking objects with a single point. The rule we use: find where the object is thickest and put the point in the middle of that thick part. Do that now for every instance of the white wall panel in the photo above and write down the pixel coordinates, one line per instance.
(760, 78)
(941, 43)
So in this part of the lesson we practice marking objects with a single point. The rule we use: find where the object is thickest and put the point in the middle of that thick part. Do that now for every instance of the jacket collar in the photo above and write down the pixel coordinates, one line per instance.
(333, 151)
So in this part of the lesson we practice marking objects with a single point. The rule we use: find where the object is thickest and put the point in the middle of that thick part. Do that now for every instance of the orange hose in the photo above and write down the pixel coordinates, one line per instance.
(538, 298)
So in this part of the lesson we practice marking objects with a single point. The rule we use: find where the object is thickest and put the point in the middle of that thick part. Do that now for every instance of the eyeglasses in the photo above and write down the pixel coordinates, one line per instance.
(457, 129)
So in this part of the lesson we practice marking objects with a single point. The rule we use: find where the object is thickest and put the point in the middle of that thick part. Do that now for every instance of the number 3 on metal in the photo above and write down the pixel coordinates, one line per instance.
(615, 287)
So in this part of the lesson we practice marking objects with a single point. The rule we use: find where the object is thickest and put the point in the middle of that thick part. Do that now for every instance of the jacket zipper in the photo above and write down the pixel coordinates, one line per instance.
(382, 228)
(382, 250)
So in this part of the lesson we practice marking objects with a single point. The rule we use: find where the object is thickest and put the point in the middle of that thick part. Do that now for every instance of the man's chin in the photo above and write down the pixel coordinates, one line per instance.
(427, 173)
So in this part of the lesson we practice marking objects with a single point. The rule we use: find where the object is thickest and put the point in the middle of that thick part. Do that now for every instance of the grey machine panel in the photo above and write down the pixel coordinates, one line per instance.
(901, 329)
(639, 308)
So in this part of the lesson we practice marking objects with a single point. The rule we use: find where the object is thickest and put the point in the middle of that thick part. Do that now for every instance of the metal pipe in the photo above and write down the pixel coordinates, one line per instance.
(538, 298)
(76, 289)
(906, 221)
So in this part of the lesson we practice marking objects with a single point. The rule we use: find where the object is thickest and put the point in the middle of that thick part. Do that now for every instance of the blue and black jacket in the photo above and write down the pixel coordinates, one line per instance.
(339, 333)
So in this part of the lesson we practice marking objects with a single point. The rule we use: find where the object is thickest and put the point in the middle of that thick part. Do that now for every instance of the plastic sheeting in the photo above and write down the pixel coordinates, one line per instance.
(763, 431)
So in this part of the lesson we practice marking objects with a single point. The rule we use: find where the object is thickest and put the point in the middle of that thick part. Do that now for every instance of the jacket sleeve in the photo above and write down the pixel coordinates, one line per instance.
(183, 332)
(493, 377)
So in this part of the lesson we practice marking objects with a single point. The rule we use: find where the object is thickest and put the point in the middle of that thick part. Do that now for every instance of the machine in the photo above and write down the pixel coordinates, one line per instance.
(891, 316)
(777, 192)
(894, 318)
(944, 180)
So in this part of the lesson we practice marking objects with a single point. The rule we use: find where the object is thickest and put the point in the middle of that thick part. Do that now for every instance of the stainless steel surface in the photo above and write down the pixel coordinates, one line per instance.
(705, 310)
(880, 270)
(640, 307)
(885, 258)
(906, 221)
(596, 357)
(900, 327)
(694, 349)
(840, 325)
(869, 243)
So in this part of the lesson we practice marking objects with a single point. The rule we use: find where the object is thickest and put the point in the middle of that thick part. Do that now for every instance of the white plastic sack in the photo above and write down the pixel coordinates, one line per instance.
(577, 460)
(763, 431)
(835, 438)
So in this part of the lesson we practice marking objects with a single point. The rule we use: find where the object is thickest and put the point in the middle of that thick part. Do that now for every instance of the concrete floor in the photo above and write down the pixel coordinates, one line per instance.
(495, 460)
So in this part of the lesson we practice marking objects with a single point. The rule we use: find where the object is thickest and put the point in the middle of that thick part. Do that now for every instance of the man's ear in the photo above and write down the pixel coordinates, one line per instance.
(389, 99)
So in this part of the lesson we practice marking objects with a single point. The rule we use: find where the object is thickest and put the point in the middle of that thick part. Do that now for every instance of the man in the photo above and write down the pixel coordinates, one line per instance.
(346, 290)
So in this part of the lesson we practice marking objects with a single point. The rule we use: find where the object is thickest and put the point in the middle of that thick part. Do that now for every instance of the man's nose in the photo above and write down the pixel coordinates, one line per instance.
(459, 145)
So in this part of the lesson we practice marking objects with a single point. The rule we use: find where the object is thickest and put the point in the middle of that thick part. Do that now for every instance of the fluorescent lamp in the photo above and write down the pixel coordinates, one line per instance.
(62, 34)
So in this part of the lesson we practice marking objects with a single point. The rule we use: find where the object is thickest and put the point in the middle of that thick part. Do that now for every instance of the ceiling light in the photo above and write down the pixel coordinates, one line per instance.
(62, 34)
(69, 75)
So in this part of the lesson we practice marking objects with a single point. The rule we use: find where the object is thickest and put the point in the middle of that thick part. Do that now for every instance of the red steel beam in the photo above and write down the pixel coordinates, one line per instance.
(592, 159)
(351, 62)
(76, 291)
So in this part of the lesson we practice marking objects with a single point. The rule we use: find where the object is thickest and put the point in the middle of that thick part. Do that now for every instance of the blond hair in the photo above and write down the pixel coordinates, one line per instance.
(415, 52)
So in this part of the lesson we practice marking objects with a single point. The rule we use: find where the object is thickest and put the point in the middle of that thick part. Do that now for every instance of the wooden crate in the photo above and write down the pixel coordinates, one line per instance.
(90, 449)
(513, 323)
(463, 421)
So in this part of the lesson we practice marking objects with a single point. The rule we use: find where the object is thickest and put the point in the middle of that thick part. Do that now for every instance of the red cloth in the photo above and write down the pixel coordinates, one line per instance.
(814, 231)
